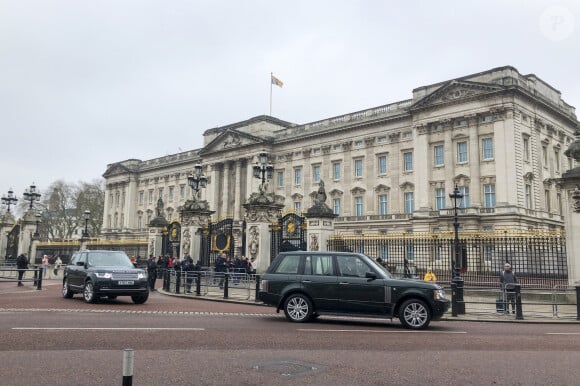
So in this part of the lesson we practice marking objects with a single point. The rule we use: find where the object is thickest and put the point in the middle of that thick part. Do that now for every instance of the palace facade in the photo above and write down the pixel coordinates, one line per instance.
(498, 135)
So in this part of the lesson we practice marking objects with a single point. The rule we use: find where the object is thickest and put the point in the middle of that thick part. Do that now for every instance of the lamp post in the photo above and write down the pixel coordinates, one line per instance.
(196, 181)
(32, 195)
(87, 214)
(36, 234)
(457, 305)
(9, 199)
(263, 170)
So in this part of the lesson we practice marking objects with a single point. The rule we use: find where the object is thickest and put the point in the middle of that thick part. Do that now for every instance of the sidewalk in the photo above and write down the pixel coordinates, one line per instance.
(476, 310)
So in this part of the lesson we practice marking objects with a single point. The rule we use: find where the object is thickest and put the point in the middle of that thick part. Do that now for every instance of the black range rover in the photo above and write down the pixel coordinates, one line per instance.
(98, 274)
(309, 284)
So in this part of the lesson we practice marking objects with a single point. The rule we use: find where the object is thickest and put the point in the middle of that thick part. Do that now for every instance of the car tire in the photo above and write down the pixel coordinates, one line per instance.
(140, 299)
(298, 308)
(414, 314)
(66, 292)
(89, 293)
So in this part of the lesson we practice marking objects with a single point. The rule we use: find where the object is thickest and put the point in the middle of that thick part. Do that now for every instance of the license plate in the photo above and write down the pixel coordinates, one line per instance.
(125, 282)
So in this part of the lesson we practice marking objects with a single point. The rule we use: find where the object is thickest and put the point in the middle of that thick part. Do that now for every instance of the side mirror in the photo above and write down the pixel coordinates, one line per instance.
(80, 263)
(371, 275)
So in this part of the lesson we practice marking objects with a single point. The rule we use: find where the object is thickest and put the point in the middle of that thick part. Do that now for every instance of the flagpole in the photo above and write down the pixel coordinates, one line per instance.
(271, 74)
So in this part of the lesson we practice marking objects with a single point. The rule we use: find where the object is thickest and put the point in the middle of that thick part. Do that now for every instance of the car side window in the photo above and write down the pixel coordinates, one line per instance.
(351, 266)
(318, 265)
(289, 265)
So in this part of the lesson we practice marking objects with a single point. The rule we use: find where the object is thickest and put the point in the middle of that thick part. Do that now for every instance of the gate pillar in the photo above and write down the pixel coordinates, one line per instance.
(156, 227)
(7, 222)
(320, 221)
(195, 218)
(27, 229)
(570, 182)
(261, 211)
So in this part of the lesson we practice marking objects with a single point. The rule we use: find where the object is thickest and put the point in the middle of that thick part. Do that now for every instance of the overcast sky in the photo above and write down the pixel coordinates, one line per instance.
(85, 83)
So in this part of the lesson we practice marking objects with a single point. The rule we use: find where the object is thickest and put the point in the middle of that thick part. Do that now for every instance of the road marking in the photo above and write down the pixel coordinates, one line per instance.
(382, 331)
(112, 328)
(562, 333)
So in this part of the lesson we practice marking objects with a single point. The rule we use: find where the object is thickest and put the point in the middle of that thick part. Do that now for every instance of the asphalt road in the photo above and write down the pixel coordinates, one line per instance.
(48, 340)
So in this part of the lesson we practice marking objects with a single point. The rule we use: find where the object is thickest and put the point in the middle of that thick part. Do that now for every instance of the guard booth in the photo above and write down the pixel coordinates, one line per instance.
(288, 234)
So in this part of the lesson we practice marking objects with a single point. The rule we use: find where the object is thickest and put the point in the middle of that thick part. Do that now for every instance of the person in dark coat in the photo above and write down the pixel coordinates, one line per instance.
(151, 272)
(188, 268)
(221, 267)
(22, 265)
(507, 281)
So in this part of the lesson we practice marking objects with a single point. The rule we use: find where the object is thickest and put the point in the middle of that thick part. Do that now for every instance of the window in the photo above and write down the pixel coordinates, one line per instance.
(358, 168)
(160, 193)
(297, 176)
(318, 265)
(382, 164)
(489, 195)
(289, 265)
(358, 143)
(336, 171)
(439, 155)
(409, 202)
(526, 146)
(171, 188)
(298, 206)
(528, 196)
(139, 222)
(148, 218)
(407, 135)
(465, 202)
(408, 161)
(181, 192)
(461, 152)
(141, 197)
(351, 266)
(150, 198)
(280, 178)
(358, 206)
(548, 200)
(383, 204)
(557, 159)
(117, 199)
(559, 198)
(545, 155)
(336, 206)
(487, 118)
(487, 148)
(461, 122)
(316, 173)
(316, 151)
(440, 198)
(111, 201)
(382, 139)
(337, 147)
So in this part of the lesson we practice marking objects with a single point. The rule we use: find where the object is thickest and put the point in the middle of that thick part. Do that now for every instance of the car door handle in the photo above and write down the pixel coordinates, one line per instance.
(344, 283)
(306, 281)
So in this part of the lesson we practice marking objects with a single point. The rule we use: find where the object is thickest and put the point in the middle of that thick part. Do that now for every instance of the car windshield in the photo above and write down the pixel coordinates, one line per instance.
(109, 259)
(381, 267)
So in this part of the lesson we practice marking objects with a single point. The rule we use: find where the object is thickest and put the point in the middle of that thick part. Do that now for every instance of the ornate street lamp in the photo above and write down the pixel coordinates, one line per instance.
(9, 199)
(31, 194)
(263, 170)
(458, 307)
(87, 214)
(197, 181)
(36, 234)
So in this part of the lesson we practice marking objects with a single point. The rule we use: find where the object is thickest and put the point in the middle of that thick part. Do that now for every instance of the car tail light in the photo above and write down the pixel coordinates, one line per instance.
(264, 285)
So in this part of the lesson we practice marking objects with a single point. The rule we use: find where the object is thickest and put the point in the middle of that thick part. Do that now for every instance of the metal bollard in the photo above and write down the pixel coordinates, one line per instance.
(198, 284)
(166, 280)
(454, 310)
(257, 296)
(128, 358)
(519, 313)
(226, 284)
(177, 281)
(578, 302)
(39, 281)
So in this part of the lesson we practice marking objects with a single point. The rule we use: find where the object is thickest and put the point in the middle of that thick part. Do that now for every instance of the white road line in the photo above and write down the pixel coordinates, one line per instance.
(562, 333)
(382, 331)
(111, 328)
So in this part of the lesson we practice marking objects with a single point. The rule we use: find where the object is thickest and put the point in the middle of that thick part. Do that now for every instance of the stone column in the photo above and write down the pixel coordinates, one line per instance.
(195, 218)
(27, 229)
(155, 241)
(224, 211)
(320, 221)
(6, 223)
(237, 189)
(261, 211)
(570, 184)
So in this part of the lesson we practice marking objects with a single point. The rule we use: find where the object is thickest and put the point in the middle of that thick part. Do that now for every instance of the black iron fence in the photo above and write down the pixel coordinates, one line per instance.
(538, 258)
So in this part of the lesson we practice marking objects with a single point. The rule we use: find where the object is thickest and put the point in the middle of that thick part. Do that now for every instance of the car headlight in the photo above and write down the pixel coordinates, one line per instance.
(142, 275)
(439, 294)
(103, 275)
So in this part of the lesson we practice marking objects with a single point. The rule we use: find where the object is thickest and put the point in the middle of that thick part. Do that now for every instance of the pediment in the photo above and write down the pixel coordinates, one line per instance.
(115, 170)
(231, 139)
(456, 90)
(380, 188)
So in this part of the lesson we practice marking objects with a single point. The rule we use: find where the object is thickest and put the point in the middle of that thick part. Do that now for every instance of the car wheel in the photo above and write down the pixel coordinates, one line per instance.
(298, 308)
(89, 293)
(139, 299)
(66, 292)
(414, 314)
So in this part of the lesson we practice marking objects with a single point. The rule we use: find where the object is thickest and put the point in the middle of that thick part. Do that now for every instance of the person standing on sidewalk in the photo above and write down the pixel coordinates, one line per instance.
(507, 281)
(45, 263)
(151, 272)
(430, 276)
(22, 265)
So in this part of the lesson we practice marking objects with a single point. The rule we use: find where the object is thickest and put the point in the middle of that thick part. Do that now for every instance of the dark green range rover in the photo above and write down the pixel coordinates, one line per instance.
(308, 284)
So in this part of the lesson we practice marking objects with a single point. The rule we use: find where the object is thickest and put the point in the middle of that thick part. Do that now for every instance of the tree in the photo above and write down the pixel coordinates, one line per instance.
(90, 196)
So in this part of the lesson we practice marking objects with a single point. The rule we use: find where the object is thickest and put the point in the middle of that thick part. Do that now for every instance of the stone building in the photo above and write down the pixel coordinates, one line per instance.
(498, 135)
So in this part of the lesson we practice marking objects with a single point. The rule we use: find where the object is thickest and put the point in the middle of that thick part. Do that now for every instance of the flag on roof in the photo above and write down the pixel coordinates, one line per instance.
(276, 81)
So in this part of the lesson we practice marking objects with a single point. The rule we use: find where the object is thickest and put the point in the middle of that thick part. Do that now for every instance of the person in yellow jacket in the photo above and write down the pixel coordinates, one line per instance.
(430, 276)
